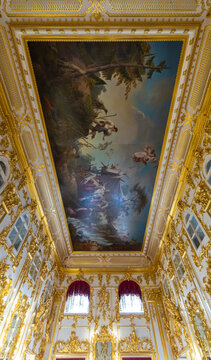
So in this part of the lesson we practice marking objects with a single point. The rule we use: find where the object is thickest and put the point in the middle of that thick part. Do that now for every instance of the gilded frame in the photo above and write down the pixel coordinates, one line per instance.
(141, 355)
(189, 36)
(131, 316)
(100, 37)
(75, 317)
(103, 335)
(71, 356)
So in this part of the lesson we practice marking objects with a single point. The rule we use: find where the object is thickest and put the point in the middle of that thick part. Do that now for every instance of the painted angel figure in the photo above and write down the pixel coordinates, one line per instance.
(146, 155)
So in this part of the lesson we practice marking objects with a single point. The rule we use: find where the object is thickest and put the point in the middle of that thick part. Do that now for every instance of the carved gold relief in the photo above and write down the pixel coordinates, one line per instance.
(203, 196)
(5, 284)
(103, 296)
(73, 345)
(42, 313)
(154, 295)
(3, 211)
(199, 323)
(104, 339)
(132, 343)
(207, 279)
(20, 310)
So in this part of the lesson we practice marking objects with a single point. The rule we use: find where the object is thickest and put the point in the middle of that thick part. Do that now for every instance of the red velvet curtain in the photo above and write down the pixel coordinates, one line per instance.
(137, 358)
(79, 287)
(129, 287)
(70, 359)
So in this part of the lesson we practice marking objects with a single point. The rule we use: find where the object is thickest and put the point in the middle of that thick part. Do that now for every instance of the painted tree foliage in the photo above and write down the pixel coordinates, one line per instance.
(100, 197)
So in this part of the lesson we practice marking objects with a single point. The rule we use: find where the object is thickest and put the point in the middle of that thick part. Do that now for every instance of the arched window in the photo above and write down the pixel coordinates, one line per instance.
(19, 231)
(194, 229)
(35, 265)
(4, 172)
(130, 298)
(77, 299)
(177, 260)
(207, 170)
(48, 289)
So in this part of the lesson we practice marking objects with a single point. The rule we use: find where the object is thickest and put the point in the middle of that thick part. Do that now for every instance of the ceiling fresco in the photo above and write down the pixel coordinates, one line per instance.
(106, 106)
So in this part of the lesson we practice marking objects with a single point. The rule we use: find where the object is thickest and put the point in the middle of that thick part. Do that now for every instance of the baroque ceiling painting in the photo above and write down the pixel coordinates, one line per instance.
(106, 106)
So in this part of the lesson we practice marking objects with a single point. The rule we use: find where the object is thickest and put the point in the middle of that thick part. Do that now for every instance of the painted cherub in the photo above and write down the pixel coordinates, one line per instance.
(146, 155)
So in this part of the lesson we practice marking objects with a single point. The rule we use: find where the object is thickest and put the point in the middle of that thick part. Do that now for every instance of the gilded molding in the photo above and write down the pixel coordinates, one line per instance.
(99, 19)
(103, 335)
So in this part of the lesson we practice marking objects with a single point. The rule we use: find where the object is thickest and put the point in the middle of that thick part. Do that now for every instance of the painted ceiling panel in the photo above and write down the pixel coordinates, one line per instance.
(106, 106)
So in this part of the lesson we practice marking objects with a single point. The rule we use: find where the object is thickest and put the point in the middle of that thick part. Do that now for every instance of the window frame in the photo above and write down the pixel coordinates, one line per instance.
(195, 233)
(11, 243)
(33, 264)
(69, 315)
(12, 333)
(165, 281)
(5, 176)
(47, 293)
(176, 253)
(128, 314)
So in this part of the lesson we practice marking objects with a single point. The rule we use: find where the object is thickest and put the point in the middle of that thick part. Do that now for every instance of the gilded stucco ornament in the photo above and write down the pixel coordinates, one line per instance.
(96, 13)
(153, 294)
(44, 269)
(104, 335)
(170, 268)
(73, 345)
(207, 279)
(11, 198)
(172, 310)
(108, 278)
(5, 284)
(103, 297)
(4, 130)
(170, 336)
(20, 311)
(189, 180)
(133, 343)
(199, 323)
(199, 154)
(100, 279)
(42, 314)
(174, 325)
(96, 10)
(181, 247)
(202, 196)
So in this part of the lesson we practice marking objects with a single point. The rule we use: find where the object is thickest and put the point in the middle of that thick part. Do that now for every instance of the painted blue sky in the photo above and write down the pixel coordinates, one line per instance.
(106, 193)
(141, 121)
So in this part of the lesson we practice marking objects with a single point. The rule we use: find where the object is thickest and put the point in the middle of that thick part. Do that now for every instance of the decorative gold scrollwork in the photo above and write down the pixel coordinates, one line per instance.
(73, 345)
(132, 343)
